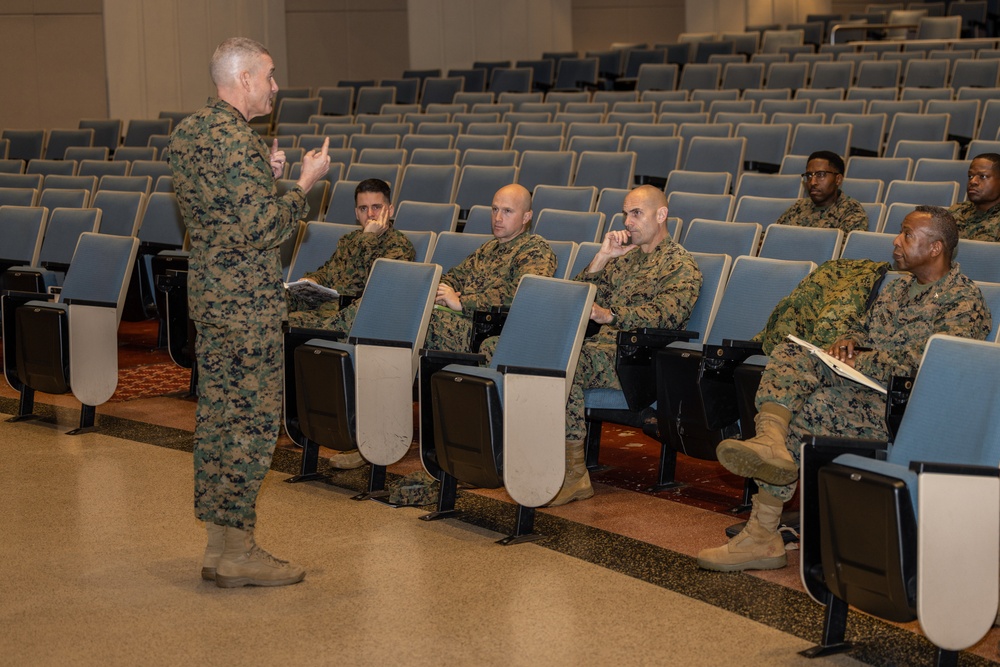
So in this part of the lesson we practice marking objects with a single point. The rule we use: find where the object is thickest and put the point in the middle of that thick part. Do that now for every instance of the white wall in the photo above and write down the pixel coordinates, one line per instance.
(452, 34)
(158, 50)
(51, 63)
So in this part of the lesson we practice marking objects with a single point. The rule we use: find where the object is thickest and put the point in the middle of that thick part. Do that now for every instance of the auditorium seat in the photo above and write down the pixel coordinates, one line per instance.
(916, 505)
(579, 199)
(426, 217)
(86, 316)
(538, 349)
(700, 182)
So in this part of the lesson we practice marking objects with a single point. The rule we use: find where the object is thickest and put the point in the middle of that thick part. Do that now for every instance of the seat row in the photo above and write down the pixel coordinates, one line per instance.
(874, 134)
(872, 122)
(941, 69)
(32, 144)
(614, 68)
(57, 190)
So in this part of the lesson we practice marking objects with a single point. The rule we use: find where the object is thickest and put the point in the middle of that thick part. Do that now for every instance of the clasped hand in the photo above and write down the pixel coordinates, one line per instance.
(447, 296)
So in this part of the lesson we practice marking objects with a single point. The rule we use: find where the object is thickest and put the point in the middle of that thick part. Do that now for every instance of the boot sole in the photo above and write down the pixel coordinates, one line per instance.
(745, 462)
(580, 494)
(223, 581)
(347, 466)
(772, 563)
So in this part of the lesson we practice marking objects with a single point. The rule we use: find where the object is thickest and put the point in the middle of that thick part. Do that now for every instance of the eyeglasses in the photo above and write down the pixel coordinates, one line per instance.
(818, 175)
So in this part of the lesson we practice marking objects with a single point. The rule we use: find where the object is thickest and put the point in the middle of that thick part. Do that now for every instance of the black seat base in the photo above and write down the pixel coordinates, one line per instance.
(88, 414)
(310, 461)
(376, 485)
(524, 528)
(834, 630)
(446, 500)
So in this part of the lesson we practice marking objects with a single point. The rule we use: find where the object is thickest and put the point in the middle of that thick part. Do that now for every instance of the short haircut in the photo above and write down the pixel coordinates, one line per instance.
(373, 185)
(992, 157)
(232, 57)
(831, 157)
(943, 227)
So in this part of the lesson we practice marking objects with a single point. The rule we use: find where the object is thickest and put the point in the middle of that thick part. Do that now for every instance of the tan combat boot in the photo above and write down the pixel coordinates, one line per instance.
(765, 456)
(243, 563)
(348, 460)
(576, 485)
(758, 546)
(216, 543)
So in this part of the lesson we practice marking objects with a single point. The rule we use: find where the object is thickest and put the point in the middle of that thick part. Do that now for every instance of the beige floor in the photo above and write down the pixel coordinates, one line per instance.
(103, 558)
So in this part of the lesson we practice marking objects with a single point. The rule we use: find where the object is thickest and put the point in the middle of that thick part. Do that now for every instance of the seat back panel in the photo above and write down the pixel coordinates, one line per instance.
(468, 427)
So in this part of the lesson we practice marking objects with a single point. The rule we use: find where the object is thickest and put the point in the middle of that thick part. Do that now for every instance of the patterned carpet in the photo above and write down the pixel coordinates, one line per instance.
(632, 462)
(150, 380)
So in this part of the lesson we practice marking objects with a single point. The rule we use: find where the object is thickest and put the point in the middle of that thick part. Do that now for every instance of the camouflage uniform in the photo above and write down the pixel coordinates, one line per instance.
(975, 224)
(657, 289)
(896, 327)
(846, 213)
(236, 221)
(829, 301)
(347, 271)
(487, 277)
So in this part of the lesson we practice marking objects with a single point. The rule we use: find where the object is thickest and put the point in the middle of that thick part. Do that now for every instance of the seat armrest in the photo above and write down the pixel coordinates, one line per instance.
(635, 363)
(834, 446)
(485, 324)
(898, 395)
(87, 302)
(818, 451)
(731, 351)
(936, 467)
(744, 347)
(171, 279)
(27, 296)
(527, 370)
(305, 333)
(654, 338)
(444, 357)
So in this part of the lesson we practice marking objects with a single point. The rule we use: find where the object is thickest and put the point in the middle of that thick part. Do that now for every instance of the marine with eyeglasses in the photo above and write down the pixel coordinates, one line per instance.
(827, 205)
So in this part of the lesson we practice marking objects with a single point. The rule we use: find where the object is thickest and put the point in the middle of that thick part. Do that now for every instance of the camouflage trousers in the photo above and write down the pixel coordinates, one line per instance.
(448, 331)
(237, 420)
(595, 369)
(821, 403)
(329, 317)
